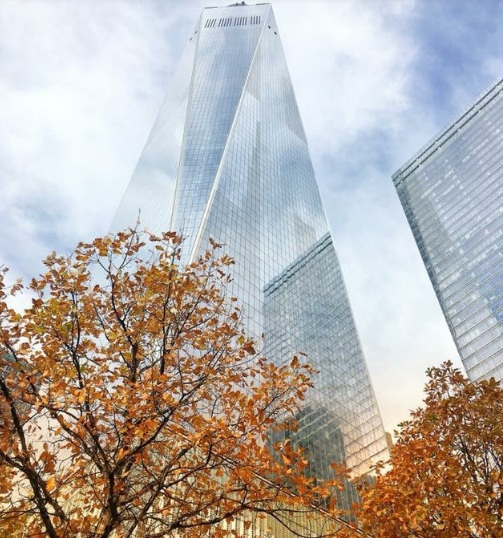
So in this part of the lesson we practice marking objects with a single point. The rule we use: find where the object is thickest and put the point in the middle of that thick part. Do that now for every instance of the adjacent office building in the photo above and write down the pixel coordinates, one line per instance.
(452, 194)
(228, 159)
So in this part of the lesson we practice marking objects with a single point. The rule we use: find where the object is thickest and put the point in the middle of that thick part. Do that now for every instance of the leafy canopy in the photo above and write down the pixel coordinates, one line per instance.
(446, 473)
(132, 403)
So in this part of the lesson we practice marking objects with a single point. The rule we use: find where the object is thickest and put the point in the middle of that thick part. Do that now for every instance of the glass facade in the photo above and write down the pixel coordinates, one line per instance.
(228, 159)
(452, 194)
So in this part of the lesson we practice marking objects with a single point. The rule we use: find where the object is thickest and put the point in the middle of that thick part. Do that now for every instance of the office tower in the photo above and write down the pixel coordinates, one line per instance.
(228, 159)
(452, 194)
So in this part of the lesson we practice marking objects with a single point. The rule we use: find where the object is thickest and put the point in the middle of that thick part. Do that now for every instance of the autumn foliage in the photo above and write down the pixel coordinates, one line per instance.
(445, 477)
(132, 403)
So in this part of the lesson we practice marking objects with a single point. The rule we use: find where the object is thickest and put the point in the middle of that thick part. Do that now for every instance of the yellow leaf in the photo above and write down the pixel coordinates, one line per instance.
(51, 483)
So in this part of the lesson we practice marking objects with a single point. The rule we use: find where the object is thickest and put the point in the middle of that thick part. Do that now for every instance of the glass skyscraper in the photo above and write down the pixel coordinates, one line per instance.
(228, 159)
(452, 194)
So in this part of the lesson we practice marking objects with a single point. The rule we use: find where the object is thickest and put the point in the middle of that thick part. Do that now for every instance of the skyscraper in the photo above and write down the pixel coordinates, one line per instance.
(452, 194)
(228, 159)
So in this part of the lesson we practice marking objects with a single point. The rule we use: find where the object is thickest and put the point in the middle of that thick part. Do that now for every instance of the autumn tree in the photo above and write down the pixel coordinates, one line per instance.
(445, 478)
(132, 403)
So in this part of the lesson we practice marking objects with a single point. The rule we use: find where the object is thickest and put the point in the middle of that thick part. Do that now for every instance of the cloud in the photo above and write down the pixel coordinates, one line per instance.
(82, 83)
(350, 70)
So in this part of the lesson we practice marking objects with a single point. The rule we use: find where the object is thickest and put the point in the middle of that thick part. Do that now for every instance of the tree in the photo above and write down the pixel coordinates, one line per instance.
(132, 403)
(445, 478)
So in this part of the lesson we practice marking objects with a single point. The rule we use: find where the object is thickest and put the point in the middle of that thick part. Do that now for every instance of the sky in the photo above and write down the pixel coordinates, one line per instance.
(81, 84)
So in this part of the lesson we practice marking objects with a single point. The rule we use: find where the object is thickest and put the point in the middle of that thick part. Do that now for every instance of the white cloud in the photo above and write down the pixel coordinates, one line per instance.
(81, 85)
(83, 89)
(349, 65)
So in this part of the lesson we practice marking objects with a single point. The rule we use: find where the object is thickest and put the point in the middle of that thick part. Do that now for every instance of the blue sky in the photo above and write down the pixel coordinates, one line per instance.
(82, 82)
